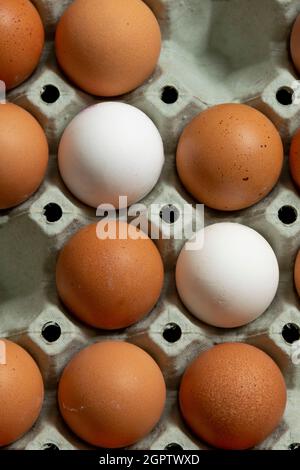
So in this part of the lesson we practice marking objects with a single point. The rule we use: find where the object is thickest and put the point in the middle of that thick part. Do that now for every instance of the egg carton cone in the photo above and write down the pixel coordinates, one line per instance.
(214, 51)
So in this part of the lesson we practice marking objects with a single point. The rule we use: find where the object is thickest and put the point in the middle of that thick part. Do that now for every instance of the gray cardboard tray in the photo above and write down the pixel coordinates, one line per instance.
(214, 51)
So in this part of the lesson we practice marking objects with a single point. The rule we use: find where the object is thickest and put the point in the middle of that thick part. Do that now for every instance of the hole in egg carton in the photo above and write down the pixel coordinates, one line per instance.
(287, 215)
(295, 446)
(51, 332)
(173, 446)
(50, 446)
(169, 94)
(172, 333)
(50, 94)
(291, 333)
(53, 212)
(285, 96)
(169, 214)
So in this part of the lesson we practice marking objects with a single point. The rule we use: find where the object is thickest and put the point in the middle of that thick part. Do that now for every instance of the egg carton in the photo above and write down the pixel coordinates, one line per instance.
(214, 51)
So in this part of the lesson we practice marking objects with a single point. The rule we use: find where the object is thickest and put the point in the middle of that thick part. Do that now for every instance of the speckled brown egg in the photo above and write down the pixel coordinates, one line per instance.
(233, 396)
(108, 48)
(21, 392)
(109, 283)
(295, 158)
(297, 273)
(230, 157)
(21, 41)
(295, 43)
(112, 394)
(23, 155)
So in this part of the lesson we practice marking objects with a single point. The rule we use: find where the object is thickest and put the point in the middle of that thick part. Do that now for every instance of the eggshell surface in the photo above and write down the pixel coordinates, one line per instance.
(111, 150)
(112, 394)
(295, 43)
(21, 41)
(233, 396)
(297, 273)
(23, 156)
(109, 283)
(230, 280)
(21, 392)
(230, 157)
(108, 48)
(295, 159)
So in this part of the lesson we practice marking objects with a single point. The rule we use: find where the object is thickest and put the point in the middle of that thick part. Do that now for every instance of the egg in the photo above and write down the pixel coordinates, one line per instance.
(297, 274)
(21, 392)
(233, 396)
(21, 41)
(230, 278)
(23, 157)
(295, 43)
(108, 48)
(230, 157)
(109, 150)
(294, 160)
(112, 394)
(109, 283)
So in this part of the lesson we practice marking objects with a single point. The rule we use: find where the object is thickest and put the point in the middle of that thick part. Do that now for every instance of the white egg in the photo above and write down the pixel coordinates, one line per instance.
(109, 150)
(232, 279)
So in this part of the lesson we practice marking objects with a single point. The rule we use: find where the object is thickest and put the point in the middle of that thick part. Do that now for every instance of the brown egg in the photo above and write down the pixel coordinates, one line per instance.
(230, 157)
(108, 48)
(23, 157)
(295, 158)
(109, 283)
(297, 273)
(112, 394)
(295, 43)
(21, 392)
(233, 396)
(21, 41)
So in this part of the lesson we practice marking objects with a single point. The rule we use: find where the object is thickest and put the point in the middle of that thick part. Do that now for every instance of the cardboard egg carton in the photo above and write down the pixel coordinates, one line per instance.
(213, 51)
